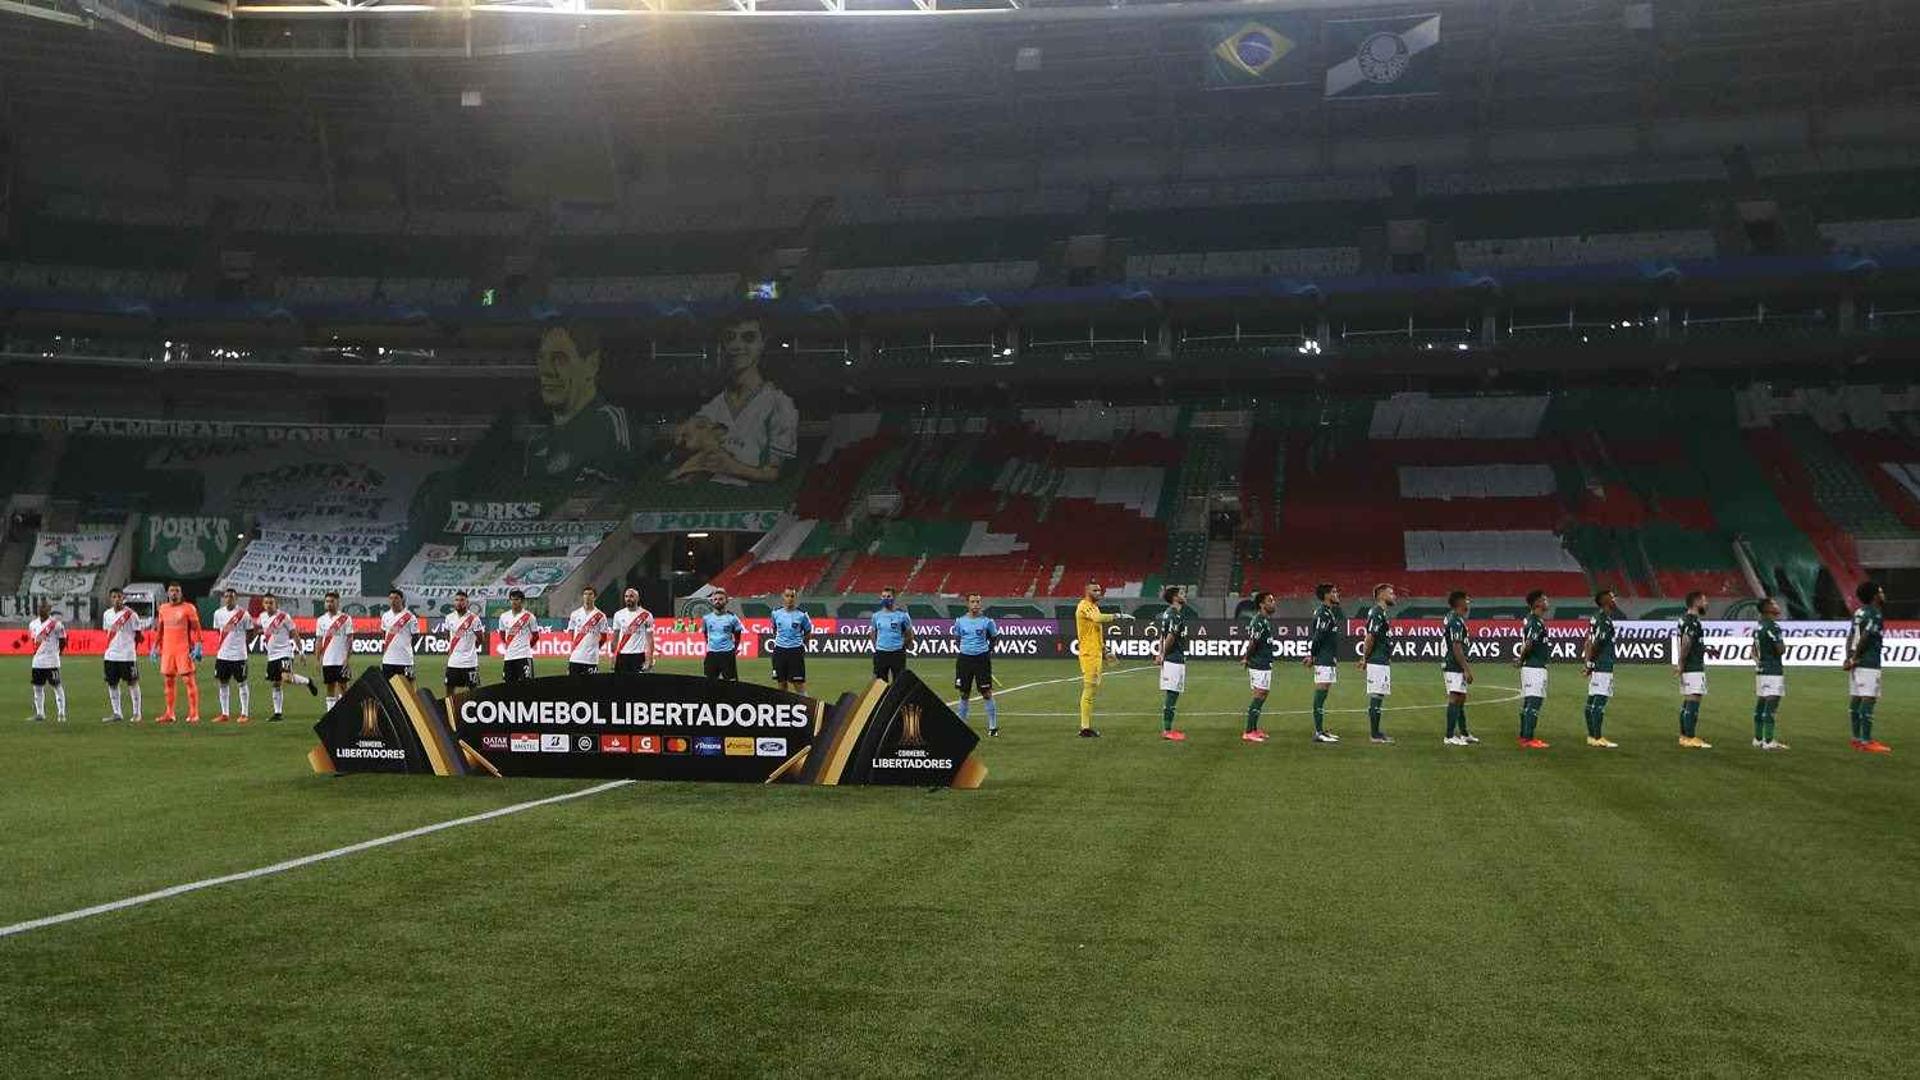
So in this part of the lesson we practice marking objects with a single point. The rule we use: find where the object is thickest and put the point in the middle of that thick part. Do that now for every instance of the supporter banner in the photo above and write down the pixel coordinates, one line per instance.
(535, 574)
(74, 609)
(482, 526)
(363, 485)
(1269, 51)
(71, 550)
(208, 429)
(497, 511)
(659, 521)
(293, 575)
(52, 582)
(1393, 57)
(185, 546)
(576, 543)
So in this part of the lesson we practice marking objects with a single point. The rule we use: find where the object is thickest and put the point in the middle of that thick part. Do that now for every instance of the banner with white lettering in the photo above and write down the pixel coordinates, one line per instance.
(71, 550)
(659, 521)
(649, 727)
(186, 546)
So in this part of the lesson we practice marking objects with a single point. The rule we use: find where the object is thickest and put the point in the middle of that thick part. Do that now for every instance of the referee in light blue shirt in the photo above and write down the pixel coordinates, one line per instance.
(791, 627)
(974, 666)
(724, 631)
(892, 637)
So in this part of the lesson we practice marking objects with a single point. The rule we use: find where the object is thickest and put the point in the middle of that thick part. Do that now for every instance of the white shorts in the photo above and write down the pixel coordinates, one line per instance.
(1600, 684)
(1173, 676)
(1456, 681)
(1260, 680)
(1533, 682)
(1693, 683)
(1769, 686)
(1379, 680)
(1865, 682)
(1325, 676)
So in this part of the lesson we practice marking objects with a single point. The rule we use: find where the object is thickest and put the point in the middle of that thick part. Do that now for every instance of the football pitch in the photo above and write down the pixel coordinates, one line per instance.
(1122, 906)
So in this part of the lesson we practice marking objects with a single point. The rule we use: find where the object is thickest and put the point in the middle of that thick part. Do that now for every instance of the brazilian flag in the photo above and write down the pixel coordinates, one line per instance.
(1268, 51)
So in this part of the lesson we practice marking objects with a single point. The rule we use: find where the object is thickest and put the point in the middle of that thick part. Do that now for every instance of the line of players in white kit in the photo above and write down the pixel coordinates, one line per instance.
(173, 644)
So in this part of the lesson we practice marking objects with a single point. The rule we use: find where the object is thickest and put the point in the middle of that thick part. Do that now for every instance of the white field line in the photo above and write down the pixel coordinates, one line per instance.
(365, 845)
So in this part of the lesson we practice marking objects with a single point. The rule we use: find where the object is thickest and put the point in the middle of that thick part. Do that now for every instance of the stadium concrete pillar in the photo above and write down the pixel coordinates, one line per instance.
(1489, 326)
(1163, 340)
(1323, 331)
(1849, 313)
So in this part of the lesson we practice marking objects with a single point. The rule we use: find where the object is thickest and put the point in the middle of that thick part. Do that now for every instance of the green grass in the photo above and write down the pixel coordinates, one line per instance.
(1098, 908)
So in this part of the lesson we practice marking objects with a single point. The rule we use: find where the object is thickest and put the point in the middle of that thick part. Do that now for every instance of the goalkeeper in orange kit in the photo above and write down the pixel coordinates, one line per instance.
(1089, 624)
(176, 646)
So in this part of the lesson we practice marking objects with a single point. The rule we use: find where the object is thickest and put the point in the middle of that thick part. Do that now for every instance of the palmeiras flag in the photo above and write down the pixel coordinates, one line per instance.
(1270, 51)
(1383, 57)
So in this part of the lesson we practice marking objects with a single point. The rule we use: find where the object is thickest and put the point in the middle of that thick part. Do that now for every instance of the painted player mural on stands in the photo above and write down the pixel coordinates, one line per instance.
(750, 430)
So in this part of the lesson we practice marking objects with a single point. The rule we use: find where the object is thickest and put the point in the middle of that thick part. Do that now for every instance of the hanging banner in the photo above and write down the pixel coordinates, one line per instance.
(1396, 57)
(71, 550)
(185, 546)
(662, 521)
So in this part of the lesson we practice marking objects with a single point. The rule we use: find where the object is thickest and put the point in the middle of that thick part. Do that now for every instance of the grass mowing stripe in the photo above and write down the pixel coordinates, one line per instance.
(364, 845)
(304, 860)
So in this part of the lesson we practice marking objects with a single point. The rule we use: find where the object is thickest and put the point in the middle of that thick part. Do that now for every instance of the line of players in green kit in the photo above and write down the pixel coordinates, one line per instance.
(1690, 653)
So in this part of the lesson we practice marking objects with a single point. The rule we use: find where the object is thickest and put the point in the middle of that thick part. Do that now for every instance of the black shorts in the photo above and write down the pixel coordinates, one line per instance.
(226, 670)
(463, 678)
(722, 665)
(333, 673)
(119, 671)
(629, 663)
(972, 671)
(388, 671)
(517, 670)
(46, 676)
(581, 669)
(278, 670)
(887, 664)
(790, 664)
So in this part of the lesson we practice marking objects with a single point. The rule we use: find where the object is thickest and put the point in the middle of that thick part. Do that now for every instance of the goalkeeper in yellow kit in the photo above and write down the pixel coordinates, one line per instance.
(1089, 623)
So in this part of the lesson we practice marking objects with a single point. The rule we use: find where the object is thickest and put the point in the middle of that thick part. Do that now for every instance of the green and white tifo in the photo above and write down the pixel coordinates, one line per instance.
(1120, 906)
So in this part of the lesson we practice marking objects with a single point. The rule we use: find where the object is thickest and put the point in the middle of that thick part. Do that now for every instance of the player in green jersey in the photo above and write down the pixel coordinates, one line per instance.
(1769, 675)
(1535, 652)
(1376, 659)
(1863, 665)
(1323, 654)
(1690, 663)
(1258, 660)
(1454, 669)
(1174, 626)
(1598, 654)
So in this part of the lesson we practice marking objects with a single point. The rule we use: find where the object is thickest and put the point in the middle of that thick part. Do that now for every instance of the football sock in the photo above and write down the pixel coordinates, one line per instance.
(1773, 710)
(39, 701)
(1599, 715)
(298, 680)
(1853, 717)
(1453, 718)
(1463, 718)
(331, 702)
(1689, 717)
(1253, 713)
(134, 693)
(60, 700)
(1760, 720)
(1866, 719)
(171, 693)
(279, 699)
(1529, 716)
(961, 712)
(246, 699)
(993, 714)
(1373, 714)
(113, 697)
(1166, 711)
(1086, 705)
(193, 695)
(226, 697)
(1320, 709)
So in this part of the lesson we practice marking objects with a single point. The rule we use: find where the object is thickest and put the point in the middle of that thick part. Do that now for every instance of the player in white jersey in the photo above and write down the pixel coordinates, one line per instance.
(590, 629)
(122, 661)
(518, 631)
(49, 636)
(466, 639)
(333, 640)
(280, 639)
(231, 625)
(632, 636)
(397, 627)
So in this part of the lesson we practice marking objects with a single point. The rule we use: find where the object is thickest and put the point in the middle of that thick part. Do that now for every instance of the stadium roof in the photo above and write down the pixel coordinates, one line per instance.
(774, 86)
